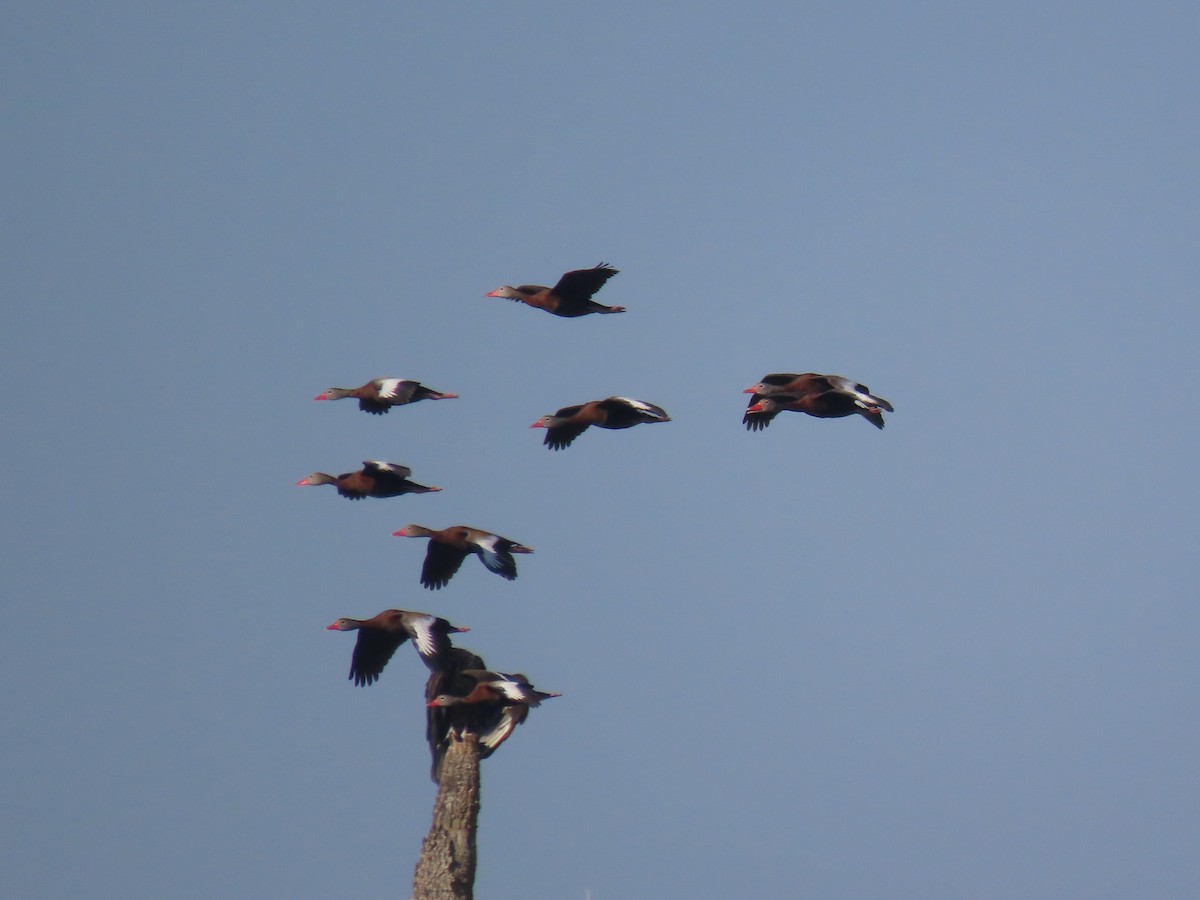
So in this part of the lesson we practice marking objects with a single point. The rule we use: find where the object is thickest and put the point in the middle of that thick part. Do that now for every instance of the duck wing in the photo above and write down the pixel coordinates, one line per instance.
(372, 651)
(861, 392)
(441, 562)
(495, 552)
(578, 286)
(431, 636)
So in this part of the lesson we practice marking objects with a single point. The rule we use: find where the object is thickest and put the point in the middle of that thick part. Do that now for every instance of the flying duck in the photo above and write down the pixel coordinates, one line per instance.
(381, 635)
(615, 412)
(379, 395)
(374, 479)
(481, 686)
(450, 546)
(570, 298)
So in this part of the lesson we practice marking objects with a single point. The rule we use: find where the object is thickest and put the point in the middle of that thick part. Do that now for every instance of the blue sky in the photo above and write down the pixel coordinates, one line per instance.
(953, 658)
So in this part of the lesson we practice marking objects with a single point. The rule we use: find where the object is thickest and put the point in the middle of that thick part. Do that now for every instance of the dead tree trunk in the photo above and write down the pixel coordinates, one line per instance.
(446, 869)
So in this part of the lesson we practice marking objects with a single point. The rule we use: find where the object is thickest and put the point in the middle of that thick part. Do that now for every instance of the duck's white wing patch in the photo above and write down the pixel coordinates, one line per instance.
(636, 404)
(861, 397)
(422, 634)
(393, 468)
(488, 542)
(646, 409)
(498, 733)
(512, 689)
(390, 388)
(496, 559)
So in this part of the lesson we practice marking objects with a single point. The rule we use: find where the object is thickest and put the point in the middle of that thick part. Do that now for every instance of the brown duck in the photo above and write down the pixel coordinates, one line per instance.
(374, 479)
(381, 635)
(570, 298)
(615, 412)
(450, 546)
(379, 395)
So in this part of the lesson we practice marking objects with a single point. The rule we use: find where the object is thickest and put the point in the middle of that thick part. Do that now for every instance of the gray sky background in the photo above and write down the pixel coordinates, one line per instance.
(956, 658)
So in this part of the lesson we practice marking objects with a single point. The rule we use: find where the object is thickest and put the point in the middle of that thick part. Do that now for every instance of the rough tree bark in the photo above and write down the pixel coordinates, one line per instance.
(446, 869)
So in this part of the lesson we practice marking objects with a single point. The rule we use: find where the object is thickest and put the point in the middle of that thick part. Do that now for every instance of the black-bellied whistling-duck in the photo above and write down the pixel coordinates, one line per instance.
(487, 704)
(841, 397)
(481, 686)
(571, 297)
(381, 635)
(445, 723)
(615, 412)
(829, 405)
(379, 395)
(450, 546)
(374, 479)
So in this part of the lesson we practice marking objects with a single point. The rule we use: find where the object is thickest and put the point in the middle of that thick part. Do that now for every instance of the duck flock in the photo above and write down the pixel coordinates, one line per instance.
(462, 695)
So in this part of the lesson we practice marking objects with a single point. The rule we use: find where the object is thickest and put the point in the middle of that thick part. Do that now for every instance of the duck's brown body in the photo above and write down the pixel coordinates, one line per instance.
(570, 298)
(614, 413)
(448, 547)
(374, 479)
